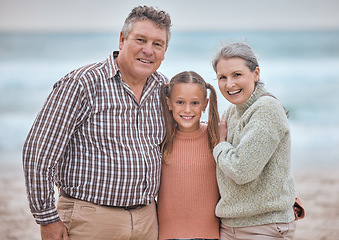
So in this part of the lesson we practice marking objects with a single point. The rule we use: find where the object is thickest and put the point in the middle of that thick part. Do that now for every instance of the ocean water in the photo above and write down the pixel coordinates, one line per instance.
(300, 68)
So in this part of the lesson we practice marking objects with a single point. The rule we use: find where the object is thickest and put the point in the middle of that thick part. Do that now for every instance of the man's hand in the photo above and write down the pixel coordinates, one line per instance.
(54, 231)
(223, 130)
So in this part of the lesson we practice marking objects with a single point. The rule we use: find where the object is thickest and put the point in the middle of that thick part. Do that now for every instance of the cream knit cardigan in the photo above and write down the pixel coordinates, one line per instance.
(254, 165)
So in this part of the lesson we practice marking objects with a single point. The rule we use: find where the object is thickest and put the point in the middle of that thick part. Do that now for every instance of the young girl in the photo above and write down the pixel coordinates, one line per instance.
(188, 192)
(253, 155)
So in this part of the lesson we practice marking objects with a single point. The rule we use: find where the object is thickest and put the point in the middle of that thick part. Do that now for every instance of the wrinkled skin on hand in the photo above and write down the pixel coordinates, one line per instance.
(223, 130)
(54, 231)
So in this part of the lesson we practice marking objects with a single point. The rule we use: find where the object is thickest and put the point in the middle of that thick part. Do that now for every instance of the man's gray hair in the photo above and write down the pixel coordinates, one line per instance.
(160, 18)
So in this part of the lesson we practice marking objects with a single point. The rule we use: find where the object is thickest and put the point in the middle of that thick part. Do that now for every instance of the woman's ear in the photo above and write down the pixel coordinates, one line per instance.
(256, 74)
(169, 104)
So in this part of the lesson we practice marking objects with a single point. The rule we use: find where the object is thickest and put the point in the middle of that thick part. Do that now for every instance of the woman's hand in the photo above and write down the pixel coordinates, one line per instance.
(223, 130)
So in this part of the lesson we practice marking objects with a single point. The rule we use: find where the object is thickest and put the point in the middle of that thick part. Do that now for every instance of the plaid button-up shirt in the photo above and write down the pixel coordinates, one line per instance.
(95, 141)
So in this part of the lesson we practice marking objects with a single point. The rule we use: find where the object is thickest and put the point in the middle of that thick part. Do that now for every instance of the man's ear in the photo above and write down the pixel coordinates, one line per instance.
(121, 41)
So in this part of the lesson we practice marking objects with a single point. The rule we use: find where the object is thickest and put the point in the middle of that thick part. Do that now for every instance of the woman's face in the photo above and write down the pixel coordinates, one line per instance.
(236, 81)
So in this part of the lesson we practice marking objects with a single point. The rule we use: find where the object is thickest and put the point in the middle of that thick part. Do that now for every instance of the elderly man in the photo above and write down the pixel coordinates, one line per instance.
(97, 139)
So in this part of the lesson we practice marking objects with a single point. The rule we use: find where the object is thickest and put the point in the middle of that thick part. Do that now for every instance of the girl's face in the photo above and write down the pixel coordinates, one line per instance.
(186, 102)
(236, 81)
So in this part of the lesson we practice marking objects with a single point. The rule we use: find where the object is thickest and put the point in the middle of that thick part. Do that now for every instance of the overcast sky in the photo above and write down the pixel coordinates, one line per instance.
(108, 15)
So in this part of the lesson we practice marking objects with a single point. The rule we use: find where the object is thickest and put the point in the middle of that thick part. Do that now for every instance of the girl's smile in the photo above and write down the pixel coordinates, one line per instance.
(187, 102)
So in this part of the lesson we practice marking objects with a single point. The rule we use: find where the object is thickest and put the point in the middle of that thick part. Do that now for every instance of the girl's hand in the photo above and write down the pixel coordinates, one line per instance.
(223, 130)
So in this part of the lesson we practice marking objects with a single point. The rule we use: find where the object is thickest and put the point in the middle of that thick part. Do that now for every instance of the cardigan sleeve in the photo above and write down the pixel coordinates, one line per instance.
(263, 129)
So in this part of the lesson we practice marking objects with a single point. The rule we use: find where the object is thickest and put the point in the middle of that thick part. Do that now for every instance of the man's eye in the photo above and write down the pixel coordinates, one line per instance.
(158, 45)
(237, 74)
(140, 40)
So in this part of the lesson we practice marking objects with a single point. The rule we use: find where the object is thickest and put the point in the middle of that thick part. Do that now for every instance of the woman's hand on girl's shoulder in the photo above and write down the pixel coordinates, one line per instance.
(223, 130)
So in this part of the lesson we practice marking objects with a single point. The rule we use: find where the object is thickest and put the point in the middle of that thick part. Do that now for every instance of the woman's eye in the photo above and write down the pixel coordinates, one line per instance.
(222, 77)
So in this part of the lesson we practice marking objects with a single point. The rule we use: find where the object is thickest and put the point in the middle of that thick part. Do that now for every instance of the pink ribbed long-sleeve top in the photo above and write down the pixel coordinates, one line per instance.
(188, 189)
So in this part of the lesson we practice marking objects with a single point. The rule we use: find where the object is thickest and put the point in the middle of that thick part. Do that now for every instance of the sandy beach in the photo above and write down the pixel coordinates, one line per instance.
(317, 189)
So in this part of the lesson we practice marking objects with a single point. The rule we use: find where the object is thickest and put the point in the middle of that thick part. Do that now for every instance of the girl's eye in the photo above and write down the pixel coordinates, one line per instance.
(180, 102)
(195, 103)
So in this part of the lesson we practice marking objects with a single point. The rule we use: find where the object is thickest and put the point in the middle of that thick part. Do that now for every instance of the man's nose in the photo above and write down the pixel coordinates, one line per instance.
(148, 48)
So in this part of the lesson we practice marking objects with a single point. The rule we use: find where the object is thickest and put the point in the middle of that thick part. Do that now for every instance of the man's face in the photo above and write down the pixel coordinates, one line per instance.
(142, 52)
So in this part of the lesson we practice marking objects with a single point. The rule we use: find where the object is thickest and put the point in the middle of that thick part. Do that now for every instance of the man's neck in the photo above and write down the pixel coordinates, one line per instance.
(135, 84)
(136, 87)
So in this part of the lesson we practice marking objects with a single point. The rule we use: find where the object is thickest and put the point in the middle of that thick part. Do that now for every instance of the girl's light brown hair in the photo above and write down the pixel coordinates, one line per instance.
(171, 125)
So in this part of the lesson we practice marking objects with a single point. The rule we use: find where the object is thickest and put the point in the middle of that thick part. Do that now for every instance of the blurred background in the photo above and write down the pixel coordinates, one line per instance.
(296, 42)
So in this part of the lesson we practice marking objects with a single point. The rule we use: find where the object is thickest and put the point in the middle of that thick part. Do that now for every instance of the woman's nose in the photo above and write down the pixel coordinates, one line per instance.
(230, 83)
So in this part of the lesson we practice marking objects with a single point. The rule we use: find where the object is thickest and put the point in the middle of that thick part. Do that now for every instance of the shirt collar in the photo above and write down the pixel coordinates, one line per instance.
(112, 65)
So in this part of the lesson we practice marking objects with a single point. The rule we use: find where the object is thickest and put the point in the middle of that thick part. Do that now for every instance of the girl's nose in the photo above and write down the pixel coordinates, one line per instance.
(187, 108)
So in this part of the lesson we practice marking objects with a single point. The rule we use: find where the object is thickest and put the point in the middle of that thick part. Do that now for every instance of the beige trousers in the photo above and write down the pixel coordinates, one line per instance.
(85, 220)
(261, 232)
